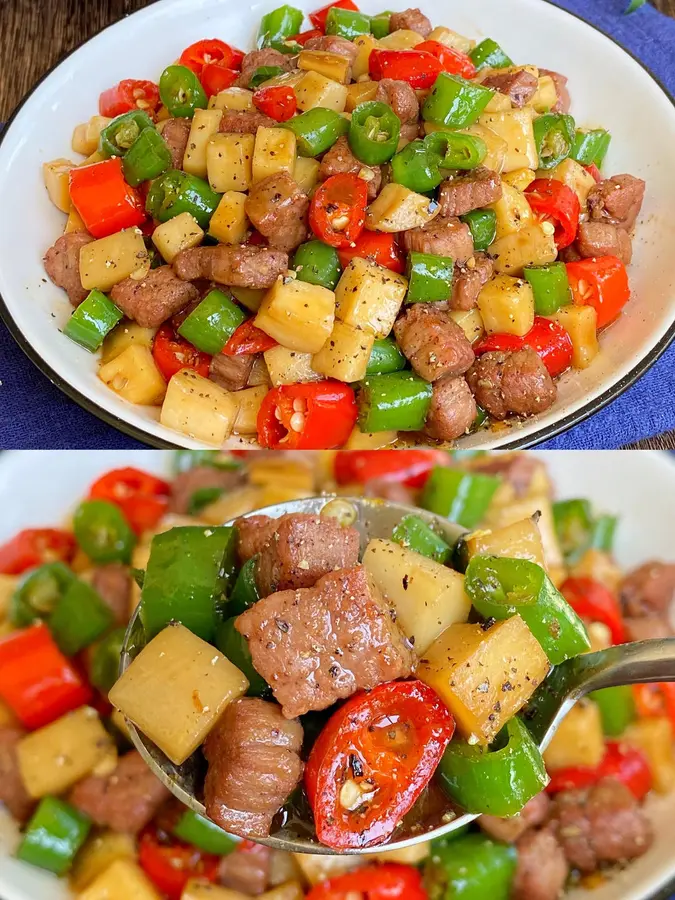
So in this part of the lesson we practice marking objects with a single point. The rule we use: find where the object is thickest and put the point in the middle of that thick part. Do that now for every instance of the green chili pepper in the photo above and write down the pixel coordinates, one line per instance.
(347, 23)
(470, 868)
(121, 134)
(385, 357)
(483, 227)
(105, 663)
(316, 130)
(500, 588)
(38, 593)
(278, 25)
(497, 780)
(102, 531)
(181, 92)
(455, 102)
(489, 54)
(147, 157)
(187, 577)
(481, 415)
(93, 319)
(573, 521)
(176, 192)
(184, 460)
(456, 151)
(374, 130)
(590, 147)
(202, 497)
(414, 533)
(462, 497)
(429, 277)
(263, 74)
(53, 836)
(380, 25)
(417, 167)
(602, 533)
(617, 708)
(204, 834)
(245, 591)
(235, 647)
(554, 138)
(79, 618)
(317, 263)
(211, 324)
(398, 401)
(550, 286)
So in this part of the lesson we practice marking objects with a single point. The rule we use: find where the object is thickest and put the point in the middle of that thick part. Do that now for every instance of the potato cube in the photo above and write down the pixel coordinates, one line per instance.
(56, 176)
(198, 407)
(205, 124)
(331, 65)
(507, 306)
(521, 540)
(97, 855)
(515, 127)
(345, 354)
(546, 95)
(512, 211)
(306, 173)
(74, 222)
(571, 173)
(124, 335)
(496, 145)
(579, 740)
(196, 889)
(106, 262)
(581, 323)
(86, 137)
(535, 503)
(470, 321)
(229, 162)
(520, 179)
(291, 890)
(398, 209)
(289, 366)
(365, 43)
(533, 245)
(249, 401)
(8, 584)
(451, 39)
(134, 375)
(274, 152)
(317, 90)
(229, 223)
(369, 296)
(233, 98)
(176, 689)
(363, 440)
(180, 233)
(297, 314)
(360, 92)
(484, 677)
(403, 39)
(600, 566)
(655, 738)
(122, 880)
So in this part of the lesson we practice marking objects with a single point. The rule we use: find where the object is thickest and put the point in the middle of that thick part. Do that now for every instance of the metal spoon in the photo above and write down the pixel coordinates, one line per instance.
(626, 664)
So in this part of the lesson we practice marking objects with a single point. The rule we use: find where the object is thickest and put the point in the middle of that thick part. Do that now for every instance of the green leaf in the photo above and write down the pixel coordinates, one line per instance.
(633, 5)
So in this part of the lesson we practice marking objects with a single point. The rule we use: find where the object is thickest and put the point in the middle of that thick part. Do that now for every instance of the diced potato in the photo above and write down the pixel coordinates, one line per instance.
(316, 867)
(360, 92)
(365, 43)
(56, 176)
(8, 584)
(287, 79)
(249, 401)
(534, 503)
(497, 147)
(95, 157)
(403, 39)
(125, 335)
(579, 741)
(86, 137)
(398, 209)
(251, 298)
(520, 179)
(79, 142)
(289, 366)
(233, 98)
(274, 152)
(196, 889)
(599, 566)
(573, 174)
(306, 173)
(229, 223)
(294, 473)
(362, 440)
(331, 65)
(498, 103)
(409, 856)
(232, 505)
(581, 323)
(281, 493)
(176, 689)
(484, 677)
(345, 354)
(162, 114)
(283, 868)
(97, 855)
(314, 89)
(514, 127)
(122, 880)
(292, 890)
(546, 95)
(117, 720)
(507, 305)
(198, 407)
(427, 596)
(512, 210)
(521, 540)
(54, 757)
(297, 314)
(369, 296)
(599, 636)
(133, 374)
(451, 39)
(106, 262)
(205, 124)
(180, 233)
(654, 736)
(533, 245)
(229, 162)
(470, 321)
(74, 223)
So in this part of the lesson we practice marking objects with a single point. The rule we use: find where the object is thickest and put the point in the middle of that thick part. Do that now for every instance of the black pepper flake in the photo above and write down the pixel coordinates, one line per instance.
(406, 582)
(282, 625)
(488, 623)
(355, 765)
(507, 686)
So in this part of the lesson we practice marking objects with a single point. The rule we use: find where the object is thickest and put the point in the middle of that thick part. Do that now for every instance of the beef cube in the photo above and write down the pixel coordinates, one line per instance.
(433, 342)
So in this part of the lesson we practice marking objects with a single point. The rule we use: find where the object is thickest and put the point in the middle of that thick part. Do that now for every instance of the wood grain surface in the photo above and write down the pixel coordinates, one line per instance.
(35, 34)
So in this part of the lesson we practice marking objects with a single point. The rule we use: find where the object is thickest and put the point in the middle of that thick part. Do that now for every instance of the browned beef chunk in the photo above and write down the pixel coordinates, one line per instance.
(254, 765)
(257, 58)
(409, 132)
(253, 533)
(649, 589)
(518, 382)
(125, 800)
(401, 97)
(247, 869)
(452, 411)
(646, 628)
(410, 20)
(603, 239)
(534, 813)
(601, 825)
(542, 868)
(340, 160)
(564, 100)
(520, 87)
(12, 791)
(331, 43)
(62, 264)
(518, 469)
(302, 549)
(617, 200)
(231, 372)
(278, 209)
(236, 265)
(245, 122)
(186, 484)
(443, 237)
(112, 583)
(462, 193)
(393, 491)
(433, 342)
(176, 133)
(154, 299)
(318, 645)
(468, 281)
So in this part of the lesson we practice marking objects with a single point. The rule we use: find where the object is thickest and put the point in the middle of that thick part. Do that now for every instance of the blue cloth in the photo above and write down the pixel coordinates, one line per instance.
(35, 414)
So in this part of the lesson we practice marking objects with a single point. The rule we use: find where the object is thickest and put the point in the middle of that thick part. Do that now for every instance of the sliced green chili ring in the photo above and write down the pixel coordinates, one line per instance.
(472, 867)
(54, 834)
(347, 23)
(105, 663)
(429, 277)
(553, 138)
(211, 324)
(602, 533)
(385, 357)
(121, 134)
(317, 263)
(590, 147)
(79, 618)
(93, 319)
(462, 497)
(204, 834)
(398, 401)
(573, 520)
(176, 192)
(184, 460)
(38, 593)
(550, 286)
(278, 25)
(617, 708)
(455, 102)
(417, 167)
(374, 132)
(202, 498)
(235, 647)
(102, 532)
(481, 418)
(483, 227)
(380, 25)
(489, 54)
(457, 151)
(147, 157)
(316, 130)
(263, 74)
(414, 533)
(181, 92)
(245, 591)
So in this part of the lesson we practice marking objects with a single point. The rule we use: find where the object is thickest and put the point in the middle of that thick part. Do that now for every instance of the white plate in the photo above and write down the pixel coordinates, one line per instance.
(39, 488)
(640, 116)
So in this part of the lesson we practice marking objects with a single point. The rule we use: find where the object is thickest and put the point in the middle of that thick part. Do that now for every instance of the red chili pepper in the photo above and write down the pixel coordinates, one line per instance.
(389, 881)
(278, 103)
(305, 36)
(337, 211)
(555, 202)
(316, 416)
(206, 52)
(170, 864)
(388, 742)
(548, 339)
(34, 546)
(127, 95)
(409, 467)
(656, 699)
(453, 61)
(142, 498)
(626, 764)
(600, 282)
(36, 680)
(318, 17)
(104, 200)
(248, 339)
(594, 171)
(377, 246)
(595, 603)
(419, 69)
(172, 353)
(216, 77)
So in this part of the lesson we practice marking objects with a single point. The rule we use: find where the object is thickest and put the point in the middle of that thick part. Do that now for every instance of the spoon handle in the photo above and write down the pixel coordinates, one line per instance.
(635, 663)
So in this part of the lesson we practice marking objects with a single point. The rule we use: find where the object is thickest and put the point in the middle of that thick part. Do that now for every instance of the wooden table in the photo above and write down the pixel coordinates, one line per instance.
(34, 39)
